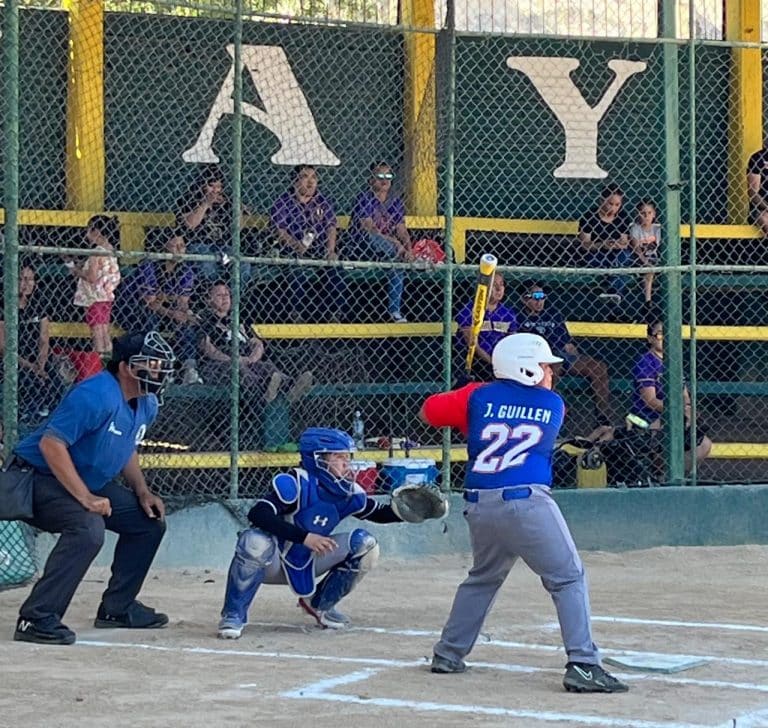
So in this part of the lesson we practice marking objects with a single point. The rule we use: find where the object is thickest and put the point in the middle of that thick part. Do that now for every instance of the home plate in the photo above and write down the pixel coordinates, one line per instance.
(655, 663)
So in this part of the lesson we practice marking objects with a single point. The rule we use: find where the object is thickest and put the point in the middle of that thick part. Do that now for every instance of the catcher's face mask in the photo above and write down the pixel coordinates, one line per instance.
(334, 472)
(153, 365)
(337, 464)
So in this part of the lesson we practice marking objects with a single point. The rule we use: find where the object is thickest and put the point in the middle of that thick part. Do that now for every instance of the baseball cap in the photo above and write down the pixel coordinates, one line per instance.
(128, 345)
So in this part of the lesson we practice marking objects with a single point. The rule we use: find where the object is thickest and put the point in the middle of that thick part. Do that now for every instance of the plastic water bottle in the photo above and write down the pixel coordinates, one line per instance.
(358, 430)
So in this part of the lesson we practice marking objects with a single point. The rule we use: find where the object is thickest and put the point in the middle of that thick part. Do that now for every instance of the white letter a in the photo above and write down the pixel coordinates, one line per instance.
(286, 112)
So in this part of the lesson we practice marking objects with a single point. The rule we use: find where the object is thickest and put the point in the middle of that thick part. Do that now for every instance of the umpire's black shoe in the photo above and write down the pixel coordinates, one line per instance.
(583, 678)
(137, 616)
(444, 666)
(45, 631)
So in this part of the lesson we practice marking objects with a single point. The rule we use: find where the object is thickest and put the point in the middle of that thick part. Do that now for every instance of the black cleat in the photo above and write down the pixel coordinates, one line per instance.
(444, 666)
(583, 678)
(137, 616)
(45, 631)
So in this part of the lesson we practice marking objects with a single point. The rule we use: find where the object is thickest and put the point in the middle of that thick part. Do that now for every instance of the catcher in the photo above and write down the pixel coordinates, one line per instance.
(291, 540)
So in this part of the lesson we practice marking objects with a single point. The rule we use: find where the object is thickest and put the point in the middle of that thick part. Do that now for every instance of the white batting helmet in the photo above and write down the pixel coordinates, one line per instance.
(518, 357)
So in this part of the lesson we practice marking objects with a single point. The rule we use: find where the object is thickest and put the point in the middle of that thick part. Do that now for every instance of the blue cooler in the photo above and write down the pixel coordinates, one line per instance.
(407, 471)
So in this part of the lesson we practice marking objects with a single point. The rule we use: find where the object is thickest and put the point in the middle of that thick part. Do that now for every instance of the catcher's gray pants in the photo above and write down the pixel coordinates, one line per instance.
(534, 529)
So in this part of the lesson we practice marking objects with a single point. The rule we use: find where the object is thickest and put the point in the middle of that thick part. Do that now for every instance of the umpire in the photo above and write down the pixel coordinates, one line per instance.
(88, 441)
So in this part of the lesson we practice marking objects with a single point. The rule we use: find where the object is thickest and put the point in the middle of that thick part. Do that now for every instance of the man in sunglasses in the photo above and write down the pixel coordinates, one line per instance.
(89, 440)
(536, 318)
(378, 227)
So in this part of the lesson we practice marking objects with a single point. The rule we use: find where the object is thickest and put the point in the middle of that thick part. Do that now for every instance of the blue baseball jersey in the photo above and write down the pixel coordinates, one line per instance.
(512, 429)
(100, 428)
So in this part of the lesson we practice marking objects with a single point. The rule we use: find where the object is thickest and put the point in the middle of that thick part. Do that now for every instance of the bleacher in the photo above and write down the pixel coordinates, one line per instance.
(511, 240)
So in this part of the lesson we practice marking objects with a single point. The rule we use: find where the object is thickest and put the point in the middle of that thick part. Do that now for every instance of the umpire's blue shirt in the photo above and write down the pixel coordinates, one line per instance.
(100, 428)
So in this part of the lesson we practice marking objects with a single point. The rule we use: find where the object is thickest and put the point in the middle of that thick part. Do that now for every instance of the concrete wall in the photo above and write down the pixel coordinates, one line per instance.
(610, 520)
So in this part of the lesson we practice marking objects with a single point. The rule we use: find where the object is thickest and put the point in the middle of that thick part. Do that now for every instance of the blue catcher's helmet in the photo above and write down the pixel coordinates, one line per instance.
(313, 443)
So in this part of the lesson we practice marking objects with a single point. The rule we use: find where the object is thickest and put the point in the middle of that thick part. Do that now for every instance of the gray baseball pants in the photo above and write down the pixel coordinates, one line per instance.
(533, 529)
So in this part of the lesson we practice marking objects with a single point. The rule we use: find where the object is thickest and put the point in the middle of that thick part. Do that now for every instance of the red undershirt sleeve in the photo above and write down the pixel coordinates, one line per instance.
(449, 409)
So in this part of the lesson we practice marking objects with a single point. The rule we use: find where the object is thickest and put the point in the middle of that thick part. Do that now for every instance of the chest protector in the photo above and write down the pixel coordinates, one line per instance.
(314, 514)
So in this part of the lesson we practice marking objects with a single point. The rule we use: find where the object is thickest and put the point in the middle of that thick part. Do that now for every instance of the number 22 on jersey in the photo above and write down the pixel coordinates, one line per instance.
(528, 436)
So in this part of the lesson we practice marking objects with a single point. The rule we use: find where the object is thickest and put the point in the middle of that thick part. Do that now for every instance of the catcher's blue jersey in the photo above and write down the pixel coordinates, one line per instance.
(318, 511)
(512, 429)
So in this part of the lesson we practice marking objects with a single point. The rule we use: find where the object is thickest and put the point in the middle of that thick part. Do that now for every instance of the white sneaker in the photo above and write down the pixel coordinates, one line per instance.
(191, 376)
(230, 628)
(273, 387)
(326, 619)
(398, 318)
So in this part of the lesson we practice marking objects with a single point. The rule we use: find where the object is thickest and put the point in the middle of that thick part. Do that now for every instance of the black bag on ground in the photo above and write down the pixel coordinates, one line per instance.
(16, 484)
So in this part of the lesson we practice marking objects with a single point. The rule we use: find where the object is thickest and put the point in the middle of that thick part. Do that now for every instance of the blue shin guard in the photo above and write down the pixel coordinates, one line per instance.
(254, 553)
(342, 578)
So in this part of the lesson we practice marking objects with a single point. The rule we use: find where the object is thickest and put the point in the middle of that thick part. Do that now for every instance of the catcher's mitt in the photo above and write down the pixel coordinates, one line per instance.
(417, 503)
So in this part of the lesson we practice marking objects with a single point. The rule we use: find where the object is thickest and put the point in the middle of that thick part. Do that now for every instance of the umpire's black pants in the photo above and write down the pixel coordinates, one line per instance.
(82, 536)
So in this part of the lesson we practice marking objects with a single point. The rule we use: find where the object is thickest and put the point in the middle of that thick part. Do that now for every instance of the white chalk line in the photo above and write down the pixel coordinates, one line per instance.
(726, 626)
(753, 719)
(320, 691)
(253, 653)
(316, 690)
(383, 662)
(485, 639)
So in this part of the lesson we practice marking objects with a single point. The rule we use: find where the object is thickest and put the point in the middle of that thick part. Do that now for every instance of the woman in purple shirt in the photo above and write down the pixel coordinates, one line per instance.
(164, 289)
(306, 227)
(499, 321)
(648, 393)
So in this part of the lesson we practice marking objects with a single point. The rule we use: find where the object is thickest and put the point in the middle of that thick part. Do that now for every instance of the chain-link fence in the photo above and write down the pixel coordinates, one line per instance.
(297, 196)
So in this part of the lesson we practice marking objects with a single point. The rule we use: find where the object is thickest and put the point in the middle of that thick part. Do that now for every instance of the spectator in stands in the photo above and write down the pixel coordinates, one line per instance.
(205, 213)
(645, 236)
(603, 234)
(499, 321)
(306, 226)
(257, 374)
(97, 278)
(536, 318)
(165, 288)
(40, 382)
(379, 231)
(757, 186)
(648, 394)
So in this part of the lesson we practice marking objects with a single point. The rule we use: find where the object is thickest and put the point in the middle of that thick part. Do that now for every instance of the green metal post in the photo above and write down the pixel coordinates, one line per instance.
(692, 206)
(11, 245)
(450, 122)
(673, 344)
(237, 144)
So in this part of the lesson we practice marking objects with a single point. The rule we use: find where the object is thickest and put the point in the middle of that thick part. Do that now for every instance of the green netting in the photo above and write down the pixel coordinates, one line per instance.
(17, 554)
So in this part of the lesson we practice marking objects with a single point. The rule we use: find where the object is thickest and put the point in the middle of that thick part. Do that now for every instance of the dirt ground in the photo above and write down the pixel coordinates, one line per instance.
(707, 603)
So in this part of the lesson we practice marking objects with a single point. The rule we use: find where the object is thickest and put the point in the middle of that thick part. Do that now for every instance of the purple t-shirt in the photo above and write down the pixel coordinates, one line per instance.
(496, 325)
(316, 216)
(386, 215)
(153, 279)
(648, 372)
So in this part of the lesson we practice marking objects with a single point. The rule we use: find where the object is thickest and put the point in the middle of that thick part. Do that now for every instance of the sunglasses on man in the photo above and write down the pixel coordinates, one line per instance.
(536, 296)
(384, 175)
